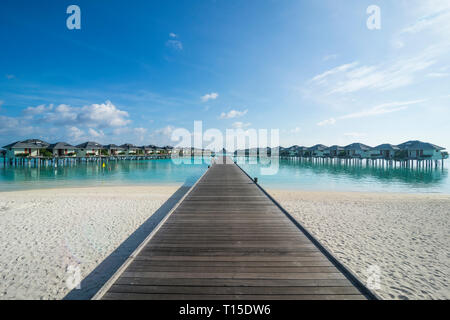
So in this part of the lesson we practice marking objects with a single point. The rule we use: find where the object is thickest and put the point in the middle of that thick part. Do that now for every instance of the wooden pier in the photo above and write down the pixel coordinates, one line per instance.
(227, 239)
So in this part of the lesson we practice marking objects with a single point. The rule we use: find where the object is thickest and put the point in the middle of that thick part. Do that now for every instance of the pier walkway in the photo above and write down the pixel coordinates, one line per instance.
(227, 239)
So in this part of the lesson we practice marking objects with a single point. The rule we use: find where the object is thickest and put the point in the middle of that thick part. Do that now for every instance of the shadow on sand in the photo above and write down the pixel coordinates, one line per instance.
(105, 270)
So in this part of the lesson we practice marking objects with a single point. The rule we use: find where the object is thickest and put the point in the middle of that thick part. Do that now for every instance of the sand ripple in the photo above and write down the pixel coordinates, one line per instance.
(407, 236)
(43, 232)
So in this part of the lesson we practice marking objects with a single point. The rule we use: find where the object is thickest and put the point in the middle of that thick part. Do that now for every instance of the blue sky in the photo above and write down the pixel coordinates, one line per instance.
(138, 70)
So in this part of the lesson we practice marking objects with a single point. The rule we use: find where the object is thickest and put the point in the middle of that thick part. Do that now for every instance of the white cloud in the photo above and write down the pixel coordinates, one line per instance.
(96, 115)
(353, 77)
(103, 115)
(438, 74)
(327, 122)
(166, 131)
(15, 127)
(173, 35)
(381, 109)
(75, 133)
(10, 76)
(96, 134)
(175, 44)
(374, 111)
(41, 109)
(434, 16)
(430, 22)
(241, 125)
(62, 114)
(330, 57)
(233, 114)
(355, 135)
(140, 133)
(210, 96)
(321, 77)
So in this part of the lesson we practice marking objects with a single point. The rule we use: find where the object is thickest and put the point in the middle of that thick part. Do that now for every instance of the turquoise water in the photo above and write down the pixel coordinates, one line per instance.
(304, 175)
(290, 174)
(93, 174)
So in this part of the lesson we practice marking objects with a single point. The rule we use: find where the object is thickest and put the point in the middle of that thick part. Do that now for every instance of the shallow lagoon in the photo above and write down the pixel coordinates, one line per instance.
(291, 174)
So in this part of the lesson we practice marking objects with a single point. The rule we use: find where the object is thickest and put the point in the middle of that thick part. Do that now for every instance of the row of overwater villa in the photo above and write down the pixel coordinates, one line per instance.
(38, 151)
(409, 153)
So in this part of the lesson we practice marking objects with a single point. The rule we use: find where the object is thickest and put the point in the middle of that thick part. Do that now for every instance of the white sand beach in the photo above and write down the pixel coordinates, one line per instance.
(406, 235)
(45, 232)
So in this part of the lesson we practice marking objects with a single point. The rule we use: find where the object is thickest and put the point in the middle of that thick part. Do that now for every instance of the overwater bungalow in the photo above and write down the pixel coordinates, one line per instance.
(385, 151)
(335, 151)
(114, 150)
(302, 151)
(419, 150)
(130, 149)
(317, 151)
(26, 148)
(62, 149)
(291, 151)
(296, 151)
(89, 149)
(168, 150)
(358, 150)
(148, 150)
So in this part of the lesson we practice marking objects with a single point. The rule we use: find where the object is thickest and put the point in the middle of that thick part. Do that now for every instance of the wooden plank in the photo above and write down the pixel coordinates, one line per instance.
(228, 240)
(240, 275)
(235, 282)
(275, 264)
(120, 288)
(191, 297)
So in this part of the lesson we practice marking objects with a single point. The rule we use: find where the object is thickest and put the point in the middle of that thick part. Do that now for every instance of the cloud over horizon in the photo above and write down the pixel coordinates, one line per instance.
(233, 114)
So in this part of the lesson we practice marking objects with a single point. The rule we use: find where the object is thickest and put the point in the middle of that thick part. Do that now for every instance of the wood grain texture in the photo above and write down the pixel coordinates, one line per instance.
(228, 240)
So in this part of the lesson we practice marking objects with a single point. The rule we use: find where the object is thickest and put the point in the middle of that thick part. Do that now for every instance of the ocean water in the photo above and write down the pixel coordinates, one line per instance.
(125, 172)
(286, 174)
(297, 174)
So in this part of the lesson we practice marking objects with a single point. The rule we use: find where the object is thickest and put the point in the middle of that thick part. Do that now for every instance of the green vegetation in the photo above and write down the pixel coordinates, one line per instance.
(104, 152)
(400, 155)
(45, 153)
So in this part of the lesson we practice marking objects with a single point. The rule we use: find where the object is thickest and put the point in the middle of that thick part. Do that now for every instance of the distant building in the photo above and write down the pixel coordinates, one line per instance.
(422, 150)
(296, 151)
(27, 148)
(335, 151)
(62, 149)
(149, 150)
(89, 149)
(358, 150)
(317, 151)
(130, 149)
(169, 150)
(385, 151)
(114, 150)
